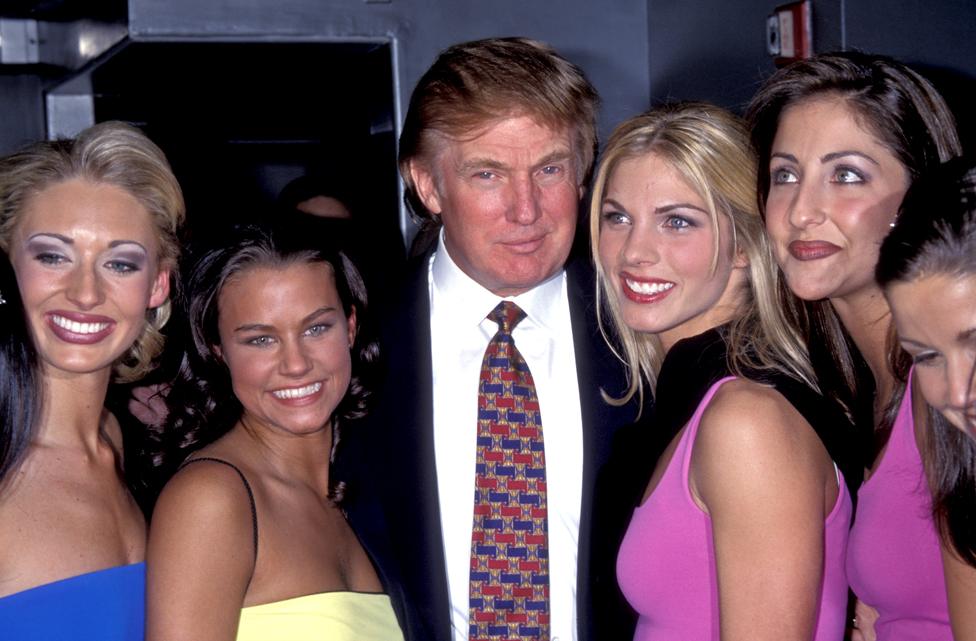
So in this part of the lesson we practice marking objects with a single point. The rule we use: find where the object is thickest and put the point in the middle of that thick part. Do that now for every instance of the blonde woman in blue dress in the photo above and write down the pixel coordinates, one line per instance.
(90, 227)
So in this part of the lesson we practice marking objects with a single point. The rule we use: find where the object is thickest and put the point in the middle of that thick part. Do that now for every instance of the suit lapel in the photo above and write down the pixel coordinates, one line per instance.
(411, 501)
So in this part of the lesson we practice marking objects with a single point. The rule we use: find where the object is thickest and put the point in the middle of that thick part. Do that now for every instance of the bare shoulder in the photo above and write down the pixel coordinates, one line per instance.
(744, 414)
(205, 492)
(750, 436)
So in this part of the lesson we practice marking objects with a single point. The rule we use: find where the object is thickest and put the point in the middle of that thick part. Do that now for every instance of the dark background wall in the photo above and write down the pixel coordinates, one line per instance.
(715, 49)
(637, 52)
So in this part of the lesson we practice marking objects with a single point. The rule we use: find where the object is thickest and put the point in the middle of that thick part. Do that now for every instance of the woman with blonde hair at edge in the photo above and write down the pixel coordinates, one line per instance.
(90, 225)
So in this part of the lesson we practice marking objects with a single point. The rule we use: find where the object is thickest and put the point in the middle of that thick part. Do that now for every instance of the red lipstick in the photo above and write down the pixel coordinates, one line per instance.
(812, 249)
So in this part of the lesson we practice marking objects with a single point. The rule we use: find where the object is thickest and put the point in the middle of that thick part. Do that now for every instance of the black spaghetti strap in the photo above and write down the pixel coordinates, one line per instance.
(247, 486)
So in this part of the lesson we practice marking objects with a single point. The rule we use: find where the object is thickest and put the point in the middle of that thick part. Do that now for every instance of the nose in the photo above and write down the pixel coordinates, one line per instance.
(525, 208)
(640, 246)
(807, 207)
(961, 385)
(85, 288)
(294, 358)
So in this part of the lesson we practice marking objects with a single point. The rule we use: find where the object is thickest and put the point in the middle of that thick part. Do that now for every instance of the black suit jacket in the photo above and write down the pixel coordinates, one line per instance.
(387, 463)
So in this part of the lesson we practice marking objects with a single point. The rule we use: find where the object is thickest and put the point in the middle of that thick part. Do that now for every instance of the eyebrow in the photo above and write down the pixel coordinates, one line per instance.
(966, 335)
(261, 327)
(490, 163)
(834, 155)
(666, 209)
(70, 241)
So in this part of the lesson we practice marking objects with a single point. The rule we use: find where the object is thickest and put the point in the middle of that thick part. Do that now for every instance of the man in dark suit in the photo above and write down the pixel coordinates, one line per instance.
(496, 149)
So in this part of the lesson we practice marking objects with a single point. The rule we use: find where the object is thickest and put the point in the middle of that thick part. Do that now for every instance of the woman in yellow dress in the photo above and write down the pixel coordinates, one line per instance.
(247, 539)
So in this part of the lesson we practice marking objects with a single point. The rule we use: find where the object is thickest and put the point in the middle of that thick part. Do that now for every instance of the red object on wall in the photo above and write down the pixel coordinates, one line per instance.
(789, 32)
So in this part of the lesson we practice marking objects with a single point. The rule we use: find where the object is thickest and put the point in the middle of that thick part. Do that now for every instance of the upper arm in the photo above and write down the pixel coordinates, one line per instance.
(960, 580)
(758, 469)
(200, 556)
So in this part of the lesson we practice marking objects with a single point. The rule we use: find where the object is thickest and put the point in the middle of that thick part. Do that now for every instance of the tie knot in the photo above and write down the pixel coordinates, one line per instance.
(507, 314)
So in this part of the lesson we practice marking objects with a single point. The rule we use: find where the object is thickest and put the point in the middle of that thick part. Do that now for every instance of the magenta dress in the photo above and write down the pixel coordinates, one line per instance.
(894, 561)
(666, 564)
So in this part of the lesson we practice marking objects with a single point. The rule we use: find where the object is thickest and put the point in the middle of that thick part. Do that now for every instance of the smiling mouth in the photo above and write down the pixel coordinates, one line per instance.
(75, 327)
(642, 291)
(647, 289)
(298, 392)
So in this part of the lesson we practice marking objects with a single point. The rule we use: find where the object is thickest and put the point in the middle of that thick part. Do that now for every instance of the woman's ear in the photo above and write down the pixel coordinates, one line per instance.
(741, 259)
(160, 289)
(351, 325)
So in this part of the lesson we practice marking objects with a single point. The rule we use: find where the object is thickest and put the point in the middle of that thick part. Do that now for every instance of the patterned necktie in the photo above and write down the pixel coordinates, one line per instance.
(509, 587)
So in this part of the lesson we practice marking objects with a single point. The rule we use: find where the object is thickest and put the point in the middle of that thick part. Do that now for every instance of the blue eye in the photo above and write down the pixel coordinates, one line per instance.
(260, 341)
(782, 176)
(615, 218)
(121, 266)
(552, 169)
(318, 330)
(50, 258)
(678, 222)
(485, 175)
(848, 175)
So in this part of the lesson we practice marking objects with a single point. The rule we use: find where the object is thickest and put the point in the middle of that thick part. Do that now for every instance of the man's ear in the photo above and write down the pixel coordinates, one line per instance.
(425, 185)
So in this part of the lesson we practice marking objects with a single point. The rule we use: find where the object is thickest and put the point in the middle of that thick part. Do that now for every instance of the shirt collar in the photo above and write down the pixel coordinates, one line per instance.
(471, 302)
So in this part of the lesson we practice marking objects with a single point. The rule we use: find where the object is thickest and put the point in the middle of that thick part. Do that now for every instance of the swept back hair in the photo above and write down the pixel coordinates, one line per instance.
(908, 116)
(111, 153)
(473, 84)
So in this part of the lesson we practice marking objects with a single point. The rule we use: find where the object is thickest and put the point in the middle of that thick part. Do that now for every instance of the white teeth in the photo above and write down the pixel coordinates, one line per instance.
(648, 289)
(298, 392)
(78, 328)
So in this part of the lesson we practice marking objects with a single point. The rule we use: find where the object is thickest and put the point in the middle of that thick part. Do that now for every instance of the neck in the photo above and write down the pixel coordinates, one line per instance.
(73, 412)
(867, 317)
(729, 306)
(301, 458)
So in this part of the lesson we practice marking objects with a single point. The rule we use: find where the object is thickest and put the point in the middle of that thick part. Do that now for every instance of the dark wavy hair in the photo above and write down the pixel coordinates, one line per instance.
(910, 118)
(935, 233)
(20, 398)
(202, 405)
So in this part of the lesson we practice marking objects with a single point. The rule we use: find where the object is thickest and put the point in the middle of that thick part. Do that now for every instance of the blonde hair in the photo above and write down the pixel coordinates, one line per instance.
(710, 148)
(117, 154)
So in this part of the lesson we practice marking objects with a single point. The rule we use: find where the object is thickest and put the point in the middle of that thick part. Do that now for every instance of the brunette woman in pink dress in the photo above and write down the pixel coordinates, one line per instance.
(840, 138)
(927, 268)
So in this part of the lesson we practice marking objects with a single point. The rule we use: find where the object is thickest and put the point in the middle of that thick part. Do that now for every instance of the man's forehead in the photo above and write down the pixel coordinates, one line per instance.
(520, 134)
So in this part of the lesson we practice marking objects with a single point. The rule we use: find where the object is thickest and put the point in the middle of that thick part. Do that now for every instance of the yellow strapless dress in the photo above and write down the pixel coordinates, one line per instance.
(335, 616)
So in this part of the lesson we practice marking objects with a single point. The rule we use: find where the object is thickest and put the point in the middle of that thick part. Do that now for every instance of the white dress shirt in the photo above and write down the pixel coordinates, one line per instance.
(460, 333)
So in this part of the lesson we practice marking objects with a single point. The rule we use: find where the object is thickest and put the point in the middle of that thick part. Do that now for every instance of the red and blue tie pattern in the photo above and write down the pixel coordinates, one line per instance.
(509, 590)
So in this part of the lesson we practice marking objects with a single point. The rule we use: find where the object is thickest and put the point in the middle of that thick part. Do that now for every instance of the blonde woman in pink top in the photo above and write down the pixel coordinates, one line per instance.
(743, 526)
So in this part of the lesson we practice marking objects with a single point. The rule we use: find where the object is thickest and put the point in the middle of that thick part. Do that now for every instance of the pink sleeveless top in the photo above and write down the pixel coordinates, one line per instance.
(894, 561)
(666, 564)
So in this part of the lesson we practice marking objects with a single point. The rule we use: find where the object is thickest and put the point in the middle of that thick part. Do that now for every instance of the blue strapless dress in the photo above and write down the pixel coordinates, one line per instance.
(107, 605)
